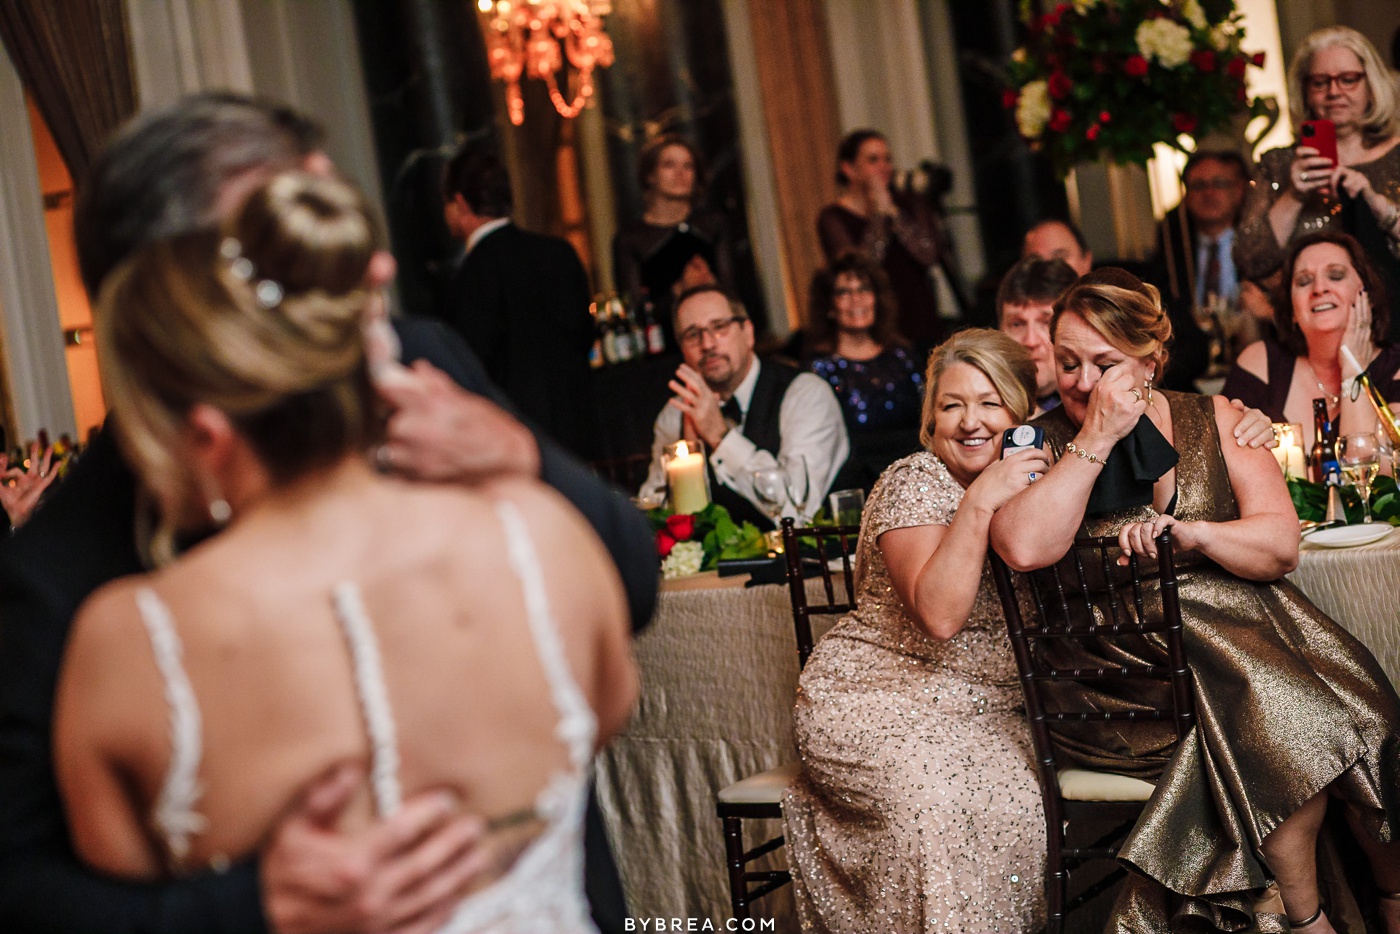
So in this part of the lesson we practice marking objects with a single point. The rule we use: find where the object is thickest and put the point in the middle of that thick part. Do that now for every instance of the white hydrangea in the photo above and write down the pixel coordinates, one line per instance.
(1222, 37)
(1033, 109)
(1083, 6)
(1196, 16)
(684, 560)
(1165, 40)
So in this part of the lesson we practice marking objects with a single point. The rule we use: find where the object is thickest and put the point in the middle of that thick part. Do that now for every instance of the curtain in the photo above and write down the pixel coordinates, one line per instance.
(800, 105)
(73, 57)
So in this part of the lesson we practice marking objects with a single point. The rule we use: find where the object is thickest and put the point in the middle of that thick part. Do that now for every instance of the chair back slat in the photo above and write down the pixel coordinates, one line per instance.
(818, 539)
(1115, 606)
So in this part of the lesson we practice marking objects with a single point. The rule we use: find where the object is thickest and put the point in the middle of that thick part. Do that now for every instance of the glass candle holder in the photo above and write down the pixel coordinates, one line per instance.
(686, 477)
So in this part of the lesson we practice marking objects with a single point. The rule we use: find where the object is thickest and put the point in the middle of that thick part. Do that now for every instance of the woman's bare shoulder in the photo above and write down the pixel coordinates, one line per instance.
(1254, 360)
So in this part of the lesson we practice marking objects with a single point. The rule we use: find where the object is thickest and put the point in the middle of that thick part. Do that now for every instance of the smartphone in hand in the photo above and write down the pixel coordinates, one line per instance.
(1320, 135)
(1019, 438)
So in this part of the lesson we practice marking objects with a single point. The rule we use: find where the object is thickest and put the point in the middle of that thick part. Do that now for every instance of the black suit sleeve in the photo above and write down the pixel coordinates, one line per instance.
(618, 523)
(80, 539)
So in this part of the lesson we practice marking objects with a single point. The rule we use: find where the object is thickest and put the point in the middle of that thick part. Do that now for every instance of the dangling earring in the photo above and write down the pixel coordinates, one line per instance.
(1147, 384)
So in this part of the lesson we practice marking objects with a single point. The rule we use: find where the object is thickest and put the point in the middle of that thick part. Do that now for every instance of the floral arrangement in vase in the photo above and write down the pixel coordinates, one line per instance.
(1108, 79)
(689, 543)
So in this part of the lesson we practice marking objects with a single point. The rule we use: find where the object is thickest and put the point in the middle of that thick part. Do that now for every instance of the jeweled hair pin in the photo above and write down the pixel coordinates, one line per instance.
(268, 292)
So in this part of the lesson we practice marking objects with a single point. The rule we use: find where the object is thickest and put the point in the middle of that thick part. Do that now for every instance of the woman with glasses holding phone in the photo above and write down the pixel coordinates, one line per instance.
(856, 347)
(1344, 169)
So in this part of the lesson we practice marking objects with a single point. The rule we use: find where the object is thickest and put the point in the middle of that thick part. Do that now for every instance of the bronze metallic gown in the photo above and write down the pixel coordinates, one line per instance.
(1288, 703)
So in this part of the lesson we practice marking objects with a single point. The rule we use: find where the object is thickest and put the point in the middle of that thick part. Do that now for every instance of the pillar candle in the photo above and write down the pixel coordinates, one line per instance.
(685, 474)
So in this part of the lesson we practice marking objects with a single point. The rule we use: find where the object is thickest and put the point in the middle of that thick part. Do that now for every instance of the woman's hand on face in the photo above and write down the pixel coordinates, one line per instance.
(1005, 478)
(1140, 538)
(1115, 404)
(1357, 338)
(1310, 172)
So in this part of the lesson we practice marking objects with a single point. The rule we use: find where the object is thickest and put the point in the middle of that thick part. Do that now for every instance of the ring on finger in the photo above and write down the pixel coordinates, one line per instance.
(1136, 394)
(1306, 177)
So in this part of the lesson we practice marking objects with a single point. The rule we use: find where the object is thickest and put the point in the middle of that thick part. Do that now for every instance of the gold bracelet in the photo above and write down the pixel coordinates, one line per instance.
(1073, 448)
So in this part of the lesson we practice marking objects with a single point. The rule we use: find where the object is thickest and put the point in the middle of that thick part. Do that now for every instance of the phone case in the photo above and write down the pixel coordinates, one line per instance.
(1320, 135)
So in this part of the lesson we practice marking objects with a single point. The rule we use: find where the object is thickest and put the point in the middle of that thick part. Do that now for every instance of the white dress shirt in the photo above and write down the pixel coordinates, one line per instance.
(809, 423)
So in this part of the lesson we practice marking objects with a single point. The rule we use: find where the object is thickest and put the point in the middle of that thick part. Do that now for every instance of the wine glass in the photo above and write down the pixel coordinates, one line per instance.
(798, 483)
(1359, 457)
(770, 491)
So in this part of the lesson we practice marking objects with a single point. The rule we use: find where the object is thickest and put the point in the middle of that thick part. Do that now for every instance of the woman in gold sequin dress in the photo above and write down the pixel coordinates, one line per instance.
(1336, 75)
(917, 808)
(1291, 709)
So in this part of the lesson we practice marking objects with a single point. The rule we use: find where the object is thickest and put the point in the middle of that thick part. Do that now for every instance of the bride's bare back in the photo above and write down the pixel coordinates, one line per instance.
(272, 673)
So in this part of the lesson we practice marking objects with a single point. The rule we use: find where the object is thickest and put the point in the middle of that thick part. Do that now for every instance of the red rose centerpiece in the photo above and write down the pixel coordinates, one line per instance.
(688, 543)
(1161, 68)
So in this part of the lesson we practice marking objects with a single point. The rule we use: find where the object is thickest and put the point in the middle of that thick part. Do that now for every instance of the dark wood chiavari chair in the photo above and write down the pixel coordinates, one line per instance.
(1099, 605)
(759, 797)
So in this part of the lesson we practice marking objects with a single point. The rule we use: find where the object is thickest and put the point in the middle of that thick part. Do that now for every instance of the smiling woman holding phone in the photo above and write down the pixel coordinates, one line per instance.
(1344, 169)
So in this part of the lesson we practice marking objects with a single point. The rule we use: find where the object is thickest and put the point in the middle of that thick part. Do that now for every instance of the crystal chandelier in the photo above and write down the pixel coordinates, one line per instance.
(534, 38)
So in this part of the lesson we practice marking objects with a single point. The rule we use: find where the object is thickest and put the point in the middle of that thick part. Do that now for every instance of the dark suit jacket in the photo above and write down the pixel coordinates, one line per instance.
(520, 300)
(79, 540)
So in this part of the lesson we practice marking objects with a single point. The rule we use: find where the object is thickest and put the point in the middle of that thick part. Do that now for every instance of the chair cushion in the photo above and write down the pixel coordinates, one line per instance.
(763, 788)
(1084, 785)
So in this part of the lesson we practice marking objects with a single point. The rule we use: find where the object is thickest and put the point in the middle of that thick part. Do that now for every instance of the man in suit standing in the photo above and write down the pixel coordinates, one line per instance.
(1194, 267)
(520, 300)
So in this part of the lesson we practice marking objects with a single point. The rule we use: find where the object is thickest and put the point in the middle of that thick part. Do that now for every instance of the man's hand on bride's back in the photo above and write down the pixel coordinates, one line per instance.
(403, 875)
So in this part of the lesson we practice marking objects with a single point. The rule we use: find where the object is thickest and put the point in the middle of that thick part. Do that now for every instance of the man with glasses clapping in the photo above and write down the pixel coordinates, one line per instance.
(747, 413)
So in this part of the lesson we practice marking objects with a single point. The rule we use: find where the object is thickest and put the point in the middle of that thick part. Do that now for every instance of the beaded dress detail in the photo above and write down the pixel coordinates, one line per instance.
(917, 808)
(542, 893)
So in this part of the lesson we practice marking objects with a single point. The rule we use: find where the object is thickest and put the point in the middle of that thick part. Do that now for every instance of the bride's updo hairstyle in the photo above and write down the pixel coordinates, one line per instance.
(261, 320)
(1124, 310)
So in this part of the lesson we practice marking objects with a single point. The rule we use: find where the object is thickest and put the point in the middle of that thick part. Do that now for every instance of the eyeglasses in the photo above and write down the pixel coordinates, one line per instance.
(1214, 184)
(1346, 80)
(847, 292)
(692, 336)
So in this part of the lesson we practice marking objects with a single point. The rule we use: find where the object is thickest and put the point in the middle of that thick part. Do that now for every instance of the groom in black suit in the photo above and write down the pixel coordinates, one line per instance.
(520, 300)
(170, 172)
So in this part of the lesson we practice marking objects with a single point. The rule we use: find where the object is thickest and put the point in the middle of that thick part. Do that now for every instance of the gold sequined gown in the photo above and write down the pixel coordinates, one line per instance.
(1287, 704)
(917, 808)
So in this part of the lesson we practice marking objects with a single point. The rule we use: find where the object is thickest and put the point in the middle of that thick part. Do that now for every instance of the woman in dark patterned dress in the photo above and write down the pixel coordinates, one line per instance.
(856, 348)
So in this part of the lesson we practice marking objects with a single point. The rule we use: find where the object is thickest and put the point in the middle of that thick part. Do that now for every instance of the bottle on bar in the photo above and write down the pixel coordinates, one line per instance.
(656, 337)
(595, 353)
(622, 333)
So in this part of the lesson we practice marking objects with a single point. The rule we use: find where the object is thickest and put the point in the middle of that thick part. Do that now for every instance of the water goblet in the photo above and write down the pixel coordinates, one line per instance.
(1359, 458)
(770, 491)
(798, 483)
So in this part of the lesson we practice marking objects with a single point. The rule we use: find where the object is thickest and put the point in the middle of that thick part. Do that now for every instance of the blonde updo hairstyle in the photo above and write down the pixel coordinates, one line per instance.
(1123, 310)
(1003, 361)
(1382, 118)
(262, 321)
